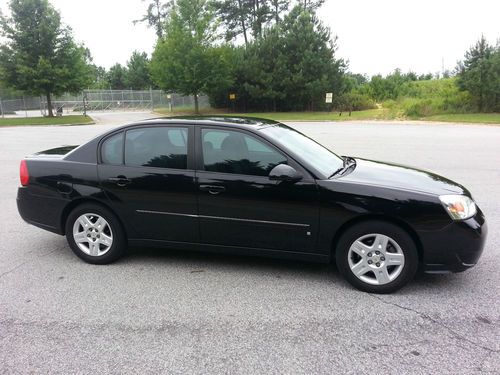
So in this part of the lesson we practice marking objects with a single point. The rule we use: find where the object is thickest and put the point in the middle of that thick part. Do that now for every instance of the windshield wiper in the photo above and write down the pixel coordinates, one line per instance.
(344, 159)
(345, 165)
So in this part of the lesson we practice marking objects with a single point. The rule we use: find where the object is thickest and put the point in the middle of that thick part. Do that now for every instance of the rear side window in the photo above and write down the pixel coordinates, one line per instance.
(160, 147)
(112, 150)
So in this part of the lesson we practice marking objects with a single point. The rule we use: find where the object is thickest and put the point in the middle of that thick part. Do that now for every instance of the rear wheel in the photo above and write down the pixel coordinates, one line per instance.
(95, 234)
(377, 257)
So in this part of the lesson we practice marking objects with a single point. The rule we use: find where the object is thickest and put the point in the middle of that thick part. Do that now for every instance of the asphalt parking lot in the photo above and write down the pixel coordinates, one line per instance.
(191, 313)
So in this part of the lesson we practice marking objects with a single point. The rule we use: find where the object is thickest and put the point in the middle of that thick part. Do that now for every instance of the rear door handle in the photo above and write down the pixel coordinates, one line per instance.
(213, 189)
(120, 180)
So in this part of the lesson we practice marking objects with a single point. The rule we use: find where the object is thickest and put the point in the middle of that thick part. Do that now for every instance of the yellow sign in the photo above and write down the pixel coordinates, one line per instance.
(232, 96)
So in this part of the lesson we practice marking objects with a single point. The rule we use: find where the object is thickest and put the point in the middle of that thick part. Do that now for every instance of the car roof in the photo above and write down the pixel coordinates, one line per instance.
(228, 121)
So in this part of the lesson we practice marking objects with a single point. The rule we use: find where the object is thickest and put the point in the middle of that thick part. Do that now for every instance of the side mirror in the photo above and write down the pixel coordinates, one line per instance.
(283, 172)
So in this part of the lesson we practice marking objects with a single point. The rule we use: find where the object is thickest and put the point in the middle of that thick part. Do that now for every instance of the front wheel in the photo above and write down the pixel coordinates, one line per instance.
(95, 234)
(377, 257)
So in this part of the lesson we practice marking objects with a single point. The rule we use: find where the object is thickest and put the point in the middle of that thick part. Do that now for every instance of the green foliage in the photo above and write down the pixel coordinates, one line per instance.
(137, 72)
(409, 95)
(290, 67)
(156, 15)
(135, 75)
(249, 17)
(63, 120)
(353, 101)
(40, 56)
(8, 93)
(116, 77)
(479, 74)
(426, 98)
(99, 77)
(185, 60)
(389, 87)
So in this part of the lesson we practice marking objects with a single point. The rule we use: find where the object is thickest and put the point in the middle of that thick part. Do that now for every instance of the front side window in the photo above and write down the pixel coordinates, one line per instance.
(317, 155)
(236, 152)
(112, 150)
(160, 147)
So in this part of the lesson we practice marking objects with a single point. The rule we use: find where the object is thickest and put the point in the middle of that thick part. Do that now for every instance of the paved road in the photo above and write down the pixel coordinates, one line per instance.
(195, 313)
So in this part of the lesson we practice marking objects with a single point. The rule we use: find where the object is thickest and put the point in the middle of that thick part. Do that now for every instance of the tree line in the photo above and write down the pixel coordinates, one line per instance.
(262, 55)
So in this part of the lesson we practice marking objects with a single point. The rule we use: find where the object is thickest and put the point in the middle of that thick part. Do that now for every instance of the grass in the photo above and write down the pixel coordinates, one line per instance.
(480, 118)
(370, 114)
(63, 120)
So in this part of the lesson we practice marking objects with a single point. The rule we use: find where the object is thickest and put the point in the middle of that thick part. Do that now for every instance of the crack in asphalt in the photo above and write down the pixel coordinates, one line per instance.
(26, 262)
(483, 363)
(424, 316)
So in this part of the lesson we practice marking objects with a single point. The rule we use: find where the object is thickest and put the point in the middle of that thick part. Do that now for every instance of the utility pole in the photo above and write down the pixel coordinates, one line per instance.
(1, 108)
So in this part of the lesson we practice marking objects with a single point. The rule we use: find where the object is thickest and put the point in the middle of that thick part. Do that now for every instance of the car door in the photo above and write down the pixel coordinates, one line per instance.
(148, 176)
(239, 205)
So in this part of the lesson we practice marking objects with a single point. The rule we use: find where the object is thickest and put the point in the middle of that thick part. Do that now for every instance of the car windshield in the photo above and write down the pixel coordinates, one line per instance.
(318, 156)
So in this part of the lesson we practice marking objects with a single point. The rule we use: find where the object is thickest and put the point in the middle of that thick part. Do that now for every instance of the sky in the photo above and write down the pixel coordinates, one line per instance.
(375, 36)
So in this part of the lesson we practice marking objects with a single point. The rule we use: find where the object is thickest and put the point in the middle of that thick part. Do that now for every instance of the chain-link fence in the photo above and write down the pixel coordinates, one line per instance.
(102, 100)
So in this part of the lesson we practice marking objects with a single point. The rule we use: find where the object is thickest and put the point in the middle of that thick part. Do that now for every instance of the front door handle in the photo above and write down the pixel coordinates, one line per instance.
(120, 180)
(213, 189)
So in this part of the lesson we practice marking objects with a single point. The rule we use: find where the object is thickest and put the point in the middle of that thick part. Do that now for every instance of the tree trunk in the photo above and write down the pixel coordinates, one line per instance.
(196, 110)
(257, 17)
(242, 20)
(49, 105)
(159, 20)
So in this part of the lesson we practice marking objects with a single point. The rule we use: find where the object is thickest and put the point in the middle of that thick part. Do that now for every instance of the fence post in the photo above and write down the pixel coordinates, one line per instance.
(152, 101)
(84, 103)
(1, 108)
(24, 105)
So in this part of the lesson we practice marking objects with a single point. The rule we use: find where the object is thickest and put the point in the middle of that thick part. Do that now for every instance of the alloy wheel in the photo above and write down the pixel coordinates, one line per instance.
(93, 234)
(376, 259)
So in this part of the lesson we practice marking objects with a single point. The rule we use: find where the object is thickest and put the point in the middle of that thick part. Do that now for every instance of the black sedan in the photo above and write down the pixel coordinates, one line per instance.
(253, 187)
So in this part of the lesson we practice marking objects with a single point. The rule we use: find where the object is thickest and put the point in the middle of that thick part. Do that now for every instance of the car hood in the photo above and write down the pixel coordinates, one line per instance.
(395, 176)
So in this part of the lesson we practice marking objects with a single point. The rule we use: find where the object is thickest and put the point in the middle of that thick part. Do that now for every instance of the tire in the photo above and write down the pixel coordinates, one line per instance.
(376, 257)
(94, 234)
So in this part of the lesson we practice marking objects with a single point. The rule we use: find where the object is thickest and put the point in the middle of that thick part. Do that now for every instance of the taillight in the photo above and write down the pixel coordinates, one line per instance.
(24, 175)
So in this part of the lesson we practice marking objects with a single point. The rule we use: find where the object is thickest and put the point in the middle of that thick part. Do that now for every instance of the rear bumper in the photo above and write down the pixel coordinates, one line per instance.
(43, 212)
(455, 248)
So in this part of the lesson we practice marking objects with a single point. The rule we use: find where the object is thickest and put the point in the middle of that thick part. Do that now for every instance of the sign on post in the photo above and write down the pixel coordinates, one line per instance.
(329, 97)
(232, 96)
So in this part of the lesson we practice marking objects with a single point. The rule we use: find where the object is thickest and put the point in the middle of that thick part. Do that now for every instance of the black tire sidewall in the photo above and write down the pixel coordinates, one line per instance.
(119, 242)
(395, 232)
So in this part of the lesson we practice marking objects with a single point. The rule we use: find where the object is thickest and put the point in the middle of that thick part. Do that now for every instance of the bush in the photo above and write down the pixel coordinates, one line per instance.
(426, 98)
(421, 107)
(354, 101)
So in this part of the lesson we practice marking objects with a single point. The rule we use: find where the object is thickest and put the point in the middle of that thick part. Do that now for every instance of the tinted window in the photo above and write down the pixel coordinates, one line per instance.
(235, 152)
(112, 149)
(319, 156)
(159, 147)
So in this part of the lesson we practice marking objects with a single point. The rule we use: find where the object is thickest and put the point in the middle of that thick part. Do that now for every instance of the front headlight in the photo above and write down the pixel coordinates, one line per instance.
(459, 207)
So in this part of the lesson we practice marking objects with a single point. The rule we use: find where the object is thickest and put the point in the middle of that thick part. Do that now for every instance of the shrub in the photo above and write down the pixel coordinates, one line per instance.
(354, 101)
(426, 98)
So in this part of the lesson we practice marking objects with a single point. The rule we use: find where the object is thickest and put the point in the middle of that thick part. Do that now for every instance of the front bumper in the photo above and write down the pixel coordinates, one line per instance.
(455, 248)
